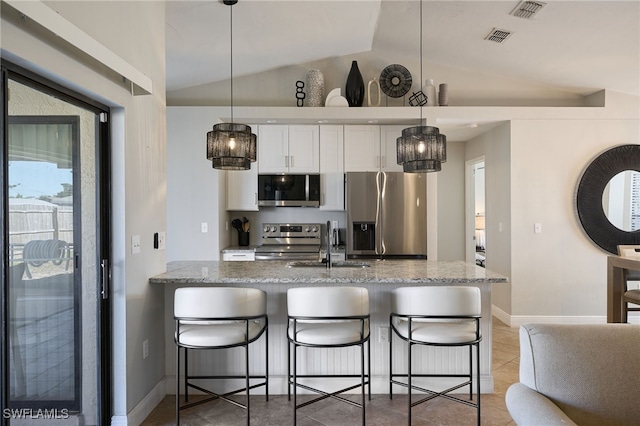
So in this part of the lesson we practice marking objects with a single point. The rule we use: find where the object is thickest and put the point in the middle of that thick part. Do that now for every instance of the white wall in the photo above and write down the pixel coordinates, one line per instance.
(450, 204)
(495, 145)
(139, 136)
(195, 190)
(466, 87)
(559, 272)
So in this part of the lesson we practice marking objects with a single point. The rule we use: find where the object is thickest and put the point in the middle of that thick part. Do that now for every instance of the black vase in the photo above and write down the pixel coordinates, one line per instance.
(354, 91)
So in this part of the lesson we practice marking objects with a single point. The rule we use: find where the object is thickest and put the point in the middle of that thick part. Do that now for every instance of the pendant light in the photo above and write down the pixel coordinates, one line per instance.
(231, 146)
(421, 148)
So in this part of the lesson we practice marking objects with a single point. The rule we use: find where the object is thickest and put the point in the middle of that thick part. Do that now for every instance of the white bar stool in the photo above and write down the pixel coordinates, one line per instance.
(440, 316)
(219, 318)
(328, 317)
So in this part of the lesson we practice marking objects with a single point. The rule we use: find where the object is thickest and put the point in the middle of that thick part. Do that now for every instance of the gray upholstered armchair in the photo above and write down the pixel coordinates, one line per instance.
(577, 374)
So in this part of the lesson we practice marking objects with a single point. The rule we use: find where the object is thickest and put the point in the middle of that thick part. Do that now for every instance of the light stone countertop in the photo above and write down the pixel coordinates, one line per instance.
(380, 271)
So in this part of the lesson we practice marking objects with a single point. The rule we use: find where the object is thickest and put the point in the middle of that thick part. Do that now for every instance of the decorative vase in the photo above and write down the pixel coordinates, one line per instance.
(354, 90)
(376, 85)
(443, 95)
(315, 88)
(430, 92)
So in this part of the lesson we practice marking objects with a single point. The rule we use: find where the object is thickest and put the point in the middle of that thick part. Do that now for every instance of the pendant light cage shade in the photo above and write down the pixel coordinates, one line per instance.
(231, 146)
(422, 166)
(421, 149)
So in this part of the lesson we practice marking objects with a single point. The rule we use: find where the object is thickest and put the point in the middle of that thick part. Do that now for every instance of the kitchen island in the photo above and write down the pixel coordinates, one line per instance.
(274, 277)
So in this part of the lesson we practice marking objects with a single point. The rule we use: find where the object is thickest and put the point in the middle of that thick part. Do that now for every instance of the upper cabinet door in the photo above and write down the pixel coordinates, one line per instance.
(389, 156)
(331, 168)
(242, 189)
(304, 149)
(289, 149)
(273, 148)
(362, 148)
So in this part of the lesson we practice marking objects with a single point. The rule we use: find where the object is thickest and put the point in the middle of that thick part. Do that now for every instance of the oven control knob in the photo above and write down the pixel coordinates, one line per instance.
(273, 229)
(265, 229)
(307, 229)
(314, 229)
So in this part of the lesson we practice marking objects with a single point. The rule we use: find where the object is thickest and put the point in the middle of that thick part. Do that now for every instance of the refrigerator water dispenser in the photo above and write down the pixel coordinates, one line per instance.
(364, 236)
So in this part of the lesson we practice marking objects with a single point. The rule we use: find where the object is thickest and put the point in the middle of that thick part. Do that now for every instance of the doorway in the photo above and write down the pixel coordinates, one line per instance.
(476, 241)
(55, 306)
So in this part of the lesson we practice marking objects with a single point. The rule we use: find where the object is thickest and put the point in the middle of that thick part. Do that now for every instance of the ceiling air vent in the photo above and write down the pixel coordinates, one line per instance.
(498, 35)
(528, 9)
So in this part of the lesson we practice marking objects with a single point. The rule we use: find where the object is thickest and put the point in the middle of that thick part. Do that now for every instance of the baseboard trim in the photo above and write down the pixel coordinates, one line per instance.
(518, 320)
(119, 421)
(142, 410)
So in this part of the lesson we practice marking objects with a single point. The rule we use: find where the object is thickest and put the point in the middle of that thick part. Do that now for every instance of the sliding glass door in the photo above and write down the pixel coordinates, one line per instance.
(55, 231)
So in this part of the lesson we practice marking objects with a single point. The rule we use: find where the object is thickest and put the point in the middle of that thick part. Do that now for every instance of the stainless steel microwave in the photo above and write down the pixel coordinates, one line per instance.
(289, 190)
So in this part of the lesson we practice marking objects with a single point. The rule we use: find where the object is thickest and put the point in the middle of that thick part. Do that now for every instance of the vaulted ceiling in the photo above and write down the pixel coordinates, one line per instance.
(578, 46)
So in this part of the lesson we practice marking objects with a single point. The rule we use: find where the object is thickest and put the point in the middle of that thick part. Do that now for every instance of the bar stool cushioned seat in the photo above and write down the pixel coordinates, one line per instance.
(440, 316)
(327, 317)
(219, 318)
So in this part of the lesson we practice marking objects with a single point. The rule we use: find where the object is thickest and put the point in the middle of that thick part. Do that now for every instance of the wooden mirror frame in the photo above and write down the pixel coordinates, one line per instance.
(589, 196)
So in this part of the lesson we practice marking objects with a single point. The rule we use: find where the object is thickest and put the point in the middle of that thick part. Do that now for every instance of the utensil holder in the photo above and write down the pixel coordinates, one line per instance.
(243, 238)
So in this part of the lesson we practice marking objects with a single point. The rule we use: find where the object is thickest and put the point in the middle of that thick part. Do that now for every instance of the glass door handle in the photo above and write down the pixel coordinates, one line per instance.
(104, 266)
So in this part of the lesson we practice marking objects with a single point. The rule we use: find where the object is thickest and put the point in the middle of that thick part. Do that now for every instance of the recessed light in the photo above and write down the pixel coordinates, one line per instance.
(323, 121)
(271, 121)
(372, 121)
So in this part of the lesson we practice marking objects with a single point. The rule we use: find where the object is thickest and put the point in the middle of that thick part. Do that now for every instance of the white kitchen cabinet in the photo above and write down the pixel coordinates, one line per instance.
(288, 149)
(332, 167)
(371, 148)
(388, 140)
(361, 148)
(242, 189)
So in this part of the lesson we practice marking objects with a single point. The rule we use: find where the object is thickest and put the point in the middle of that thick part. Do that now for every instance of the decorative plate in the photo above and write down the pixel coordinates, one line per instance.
(395, 81)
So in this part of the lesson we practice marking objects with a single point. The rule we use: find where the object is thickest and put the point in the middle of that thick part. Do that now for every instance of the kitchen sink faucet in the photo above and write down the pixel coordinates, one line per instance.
(327, 258)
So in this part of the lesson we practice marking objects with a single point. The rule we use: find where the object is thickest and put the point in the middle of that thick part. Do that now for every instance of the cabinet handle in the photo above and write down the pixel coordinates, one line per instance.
(384, 161)
(255, 198)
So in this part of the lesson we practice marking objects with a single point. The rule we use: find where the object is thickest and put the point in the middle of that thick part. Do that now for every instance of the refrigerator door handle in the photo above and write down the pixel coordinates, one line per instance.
(381, 181)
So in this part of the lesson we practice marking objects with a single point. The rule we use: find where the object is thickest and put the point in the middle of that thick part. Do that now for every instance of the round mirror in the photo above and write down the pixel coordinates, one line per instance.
(591, 206)
(621, 200)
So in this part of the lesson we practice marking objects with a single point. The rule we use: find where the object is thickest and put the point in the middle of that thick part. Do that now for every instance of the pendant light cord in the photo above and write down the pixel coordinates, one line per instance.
(421, 57)
(231, 61)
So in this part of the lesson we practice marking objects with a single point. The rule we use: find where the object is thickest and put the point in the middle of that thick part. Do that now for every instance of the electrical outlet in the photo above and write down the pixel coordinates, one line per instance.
(135, 244)
(162, 240)
(204, 227)
(145, 349)
(383, 334)
(335, 224)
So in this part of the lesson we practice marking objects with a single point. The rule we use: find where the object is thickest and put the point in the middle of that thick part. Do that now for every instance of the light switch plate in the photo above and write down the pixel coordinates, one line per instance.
(162, 238)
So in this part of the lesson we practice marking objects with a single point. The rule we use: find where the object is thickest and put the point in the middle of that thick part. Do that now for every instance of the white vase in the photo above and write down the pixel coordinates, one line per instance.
(315, 88)
(430, 92)
(375, 94)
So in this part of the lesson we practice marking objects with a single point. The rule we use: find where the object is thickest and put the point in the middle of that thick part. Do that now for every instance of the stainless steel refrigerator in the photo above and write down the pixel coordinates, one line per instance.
(386, 214)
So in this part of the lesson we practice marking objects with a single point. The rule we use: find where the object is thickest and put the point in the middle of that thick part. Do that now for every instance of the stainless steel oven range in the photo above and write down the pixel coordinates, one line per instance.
(288, 241)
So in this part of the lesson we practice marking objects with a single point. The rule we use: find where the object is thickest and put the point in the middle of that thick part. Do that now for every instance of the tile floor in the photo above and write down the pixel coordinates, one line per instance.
(380, 411)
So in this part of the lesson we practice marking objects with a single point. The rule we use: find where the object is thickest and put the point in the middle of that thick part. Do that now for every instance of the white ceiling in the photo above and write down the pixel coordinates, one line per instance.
(573, 45)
